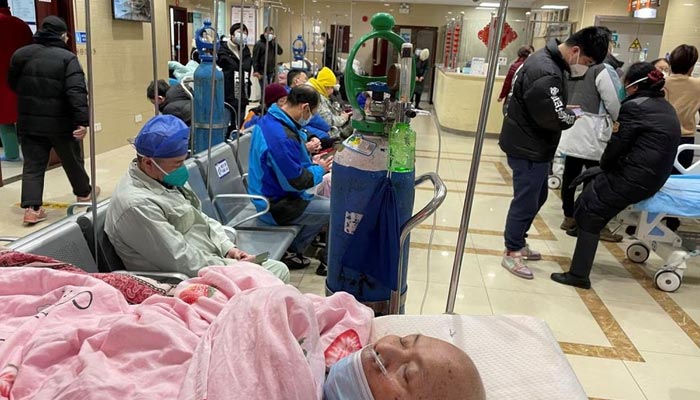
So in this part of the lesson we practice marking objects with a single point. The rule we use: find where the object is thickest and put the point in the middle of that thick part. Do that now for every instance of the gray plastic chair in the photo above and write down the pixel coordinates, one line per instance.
(228, 193)
(107, 257)
(62, 240)
(251, 240)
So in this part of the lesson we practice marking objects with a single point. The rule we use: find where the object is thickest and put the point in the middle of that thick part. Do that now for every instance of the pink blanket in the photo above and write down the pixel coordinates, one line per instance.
(232, 332)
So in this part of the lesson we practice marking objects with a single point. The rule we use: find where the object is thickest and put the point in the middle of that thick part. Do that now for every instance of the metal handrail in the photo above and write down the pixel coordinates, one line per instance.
(246, 197)
(415, 220)
(72, 207)
(150, 274)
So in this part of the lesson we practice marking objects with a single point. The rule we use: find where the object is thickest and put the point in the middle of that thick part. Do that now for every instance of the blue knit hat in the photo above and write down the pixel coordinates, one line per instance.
(163, 136)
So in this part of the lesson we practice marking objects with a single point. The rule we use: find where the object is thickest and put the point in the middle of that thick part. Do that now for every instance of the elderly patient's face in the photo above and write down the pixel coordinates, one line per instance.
(421, 367)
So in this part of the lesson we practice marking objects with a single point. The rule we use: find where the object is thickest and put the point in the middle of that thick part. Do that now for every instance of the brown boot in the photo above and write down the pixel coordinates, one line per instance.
(568, 224)
(607, 236)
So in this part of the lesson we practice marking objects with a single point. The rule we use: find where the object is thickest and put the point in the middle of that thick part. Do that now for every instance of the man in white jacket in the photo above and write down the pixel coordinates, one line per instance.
(596, 93)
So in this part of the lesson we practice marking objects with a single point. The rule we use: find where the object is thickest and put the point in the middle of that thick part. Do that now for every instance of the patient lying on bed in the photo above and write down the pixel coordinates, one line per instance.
(411, 367)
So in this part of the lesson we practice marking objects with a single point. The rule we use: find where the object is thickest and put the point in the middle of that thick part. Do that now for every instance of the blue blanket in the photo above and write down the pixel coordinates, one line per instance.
(680, 196)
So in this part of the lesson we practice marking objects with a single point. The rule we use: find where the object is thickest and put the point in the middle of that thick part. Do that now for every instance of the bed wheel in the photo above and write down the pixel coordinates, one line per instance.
(638, 252)
(667, 281)
(554, 182)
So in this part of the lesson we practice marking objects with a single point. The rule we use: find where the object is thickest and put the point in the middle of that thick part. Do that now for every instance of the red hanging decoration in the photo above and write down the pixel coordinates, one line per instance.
(508, 37)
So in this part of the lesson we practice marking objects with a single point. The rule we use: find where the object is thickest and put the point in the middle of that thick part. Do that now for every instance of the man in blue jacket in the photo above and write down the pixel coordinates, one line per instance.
(536, 114)
(282, 171)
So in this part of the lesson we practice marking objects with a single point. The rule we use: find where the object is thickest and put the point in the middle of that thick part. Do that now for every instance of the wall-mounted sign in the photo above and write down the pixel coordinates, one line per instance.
(635, 45)
(80, 37)
(248, 20)
(24, 10)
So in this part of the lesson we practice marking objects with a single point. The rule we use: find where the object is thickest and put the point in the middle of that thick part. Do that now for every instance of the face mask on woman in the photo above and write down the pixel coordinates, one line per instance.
(240, 38)
(270, 37)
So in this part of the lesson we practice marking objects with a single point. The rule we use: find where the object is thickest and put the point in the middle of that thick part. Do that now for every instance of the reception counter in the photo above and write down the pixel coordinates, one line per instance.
(457, 102)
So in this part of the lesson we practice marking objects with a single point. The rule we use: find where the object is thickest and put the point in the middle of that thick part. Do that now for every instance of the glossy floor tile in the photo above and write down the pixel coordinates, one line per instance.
(606, 379)
(667, 376)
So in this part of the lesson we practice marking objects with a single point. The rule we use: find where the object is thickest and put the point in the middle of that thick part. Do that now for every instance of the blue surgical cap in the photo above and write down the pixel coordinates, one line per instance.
(347, 380)
(163, 136)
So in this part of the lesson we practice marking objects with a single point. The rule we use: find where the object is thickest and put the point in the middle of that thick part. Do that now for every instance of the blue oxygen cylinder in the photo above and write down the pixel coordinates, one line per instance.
(206, 39)
(358, 171)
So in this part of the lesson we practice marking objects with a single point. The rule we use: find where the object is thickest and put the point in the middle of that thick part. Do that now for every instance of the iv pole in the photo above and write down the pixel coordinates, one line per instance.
(494, 42)
(91, 111)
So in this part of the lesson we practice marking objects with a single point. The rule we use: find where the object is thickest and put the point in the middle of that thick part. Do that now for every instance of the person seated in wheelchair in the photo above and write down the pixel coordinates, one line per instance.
(635, 165)
(154, 219)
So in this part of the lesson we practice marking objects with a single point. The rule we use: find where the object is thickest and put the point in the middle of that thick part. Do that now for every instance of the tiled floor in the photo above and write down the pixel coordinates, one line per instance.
(624, 339)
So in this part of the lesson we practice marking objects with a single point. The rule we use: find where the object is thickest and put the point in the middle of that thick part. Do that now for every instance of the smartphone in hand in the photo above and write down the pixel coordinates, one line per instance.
(261, 258)
(577, 112)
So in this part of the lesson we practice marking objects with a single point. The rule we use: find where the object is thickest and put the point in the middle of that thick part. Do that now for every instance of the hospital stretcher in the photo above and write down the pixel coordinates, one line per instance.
(517, 356)
(680, 198)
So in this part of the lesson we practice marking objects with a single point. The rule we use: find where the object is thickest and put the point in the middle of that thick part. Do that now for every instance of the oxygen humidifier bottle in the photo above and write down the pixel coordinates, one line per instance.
(402, 148)
(402, 139)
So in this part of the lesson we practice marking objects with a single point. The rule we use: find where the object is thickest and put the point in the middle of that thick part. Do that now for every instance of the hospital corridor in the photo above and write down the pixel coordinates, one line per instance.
(319, 199)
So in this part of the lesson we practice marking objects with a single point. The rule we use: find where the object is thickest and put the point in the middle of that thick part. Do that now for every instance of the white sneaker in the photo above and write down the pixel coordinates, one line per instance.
(513, 262)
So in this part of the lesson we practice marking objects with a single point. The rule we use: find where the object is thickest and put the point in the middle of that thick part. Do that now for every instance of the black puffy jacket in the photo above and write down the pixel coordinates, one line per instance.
(230, 64)
(178, 103)
(637, 161)
(537, 109)
(50, 87)
(262, 47)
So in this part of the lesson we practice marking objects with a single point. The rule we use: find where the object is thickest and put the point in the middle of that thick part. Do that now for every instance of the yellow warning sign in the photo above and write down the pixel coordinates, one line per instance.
(635, 45)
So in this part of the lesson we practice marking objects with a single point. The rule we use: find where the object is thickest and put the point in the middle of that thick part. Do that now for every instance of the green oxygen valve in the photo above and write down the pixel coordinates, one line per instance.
(382, 24)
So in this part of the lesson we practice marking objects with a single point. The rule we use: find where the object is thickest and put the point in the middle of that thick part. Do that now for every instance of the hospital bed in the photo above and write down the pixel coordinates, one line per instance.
(679, 197)
(517, 356)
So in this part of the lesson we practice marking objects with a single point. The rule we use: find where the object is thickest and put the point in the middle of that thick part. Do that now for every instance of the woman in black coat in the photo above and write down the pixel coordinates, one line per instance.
(635, 165)
(229, 57)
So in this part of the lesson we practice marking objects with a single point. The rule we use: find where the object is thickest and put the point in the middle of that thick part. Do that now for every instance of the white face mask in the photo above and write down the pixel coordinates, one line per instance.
(578, 70)
(240, 38)
(270, 37)
(337, 87)
(417, 52)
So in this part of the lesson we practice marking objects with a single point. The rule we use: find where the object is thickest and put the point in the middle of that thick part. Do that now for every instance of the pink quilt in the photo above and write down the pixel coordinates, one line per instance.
(232, 332)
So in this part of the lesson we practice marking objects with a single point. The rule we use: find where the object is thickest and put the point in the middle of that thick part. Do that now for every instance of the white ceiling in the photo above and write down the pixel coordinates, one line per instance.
(468, 3)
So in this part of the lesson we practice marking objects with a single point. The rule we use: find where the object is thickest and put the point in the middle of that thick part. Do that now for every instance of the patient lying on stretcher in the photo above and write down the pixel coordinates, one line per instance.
(410, 367)
(230, 333)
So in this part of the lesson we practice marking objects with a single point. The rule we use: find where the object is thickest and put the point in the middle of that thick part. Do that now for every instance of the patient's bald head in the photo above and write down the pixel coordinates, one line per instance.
(421, 367)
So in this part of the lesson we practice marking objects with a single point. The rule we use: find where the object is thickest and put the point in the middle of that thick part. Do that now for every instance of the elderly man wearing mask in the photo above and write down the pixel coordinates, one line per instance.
(155, 221)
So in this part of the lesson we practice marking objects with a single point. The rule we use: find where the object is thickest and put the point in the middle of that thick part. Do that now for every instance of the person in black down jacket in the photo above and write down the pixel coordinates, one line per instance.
(53, 113)
(229, 58)
(265, 47)
(536, 115)
(172, 100)
(638, 160)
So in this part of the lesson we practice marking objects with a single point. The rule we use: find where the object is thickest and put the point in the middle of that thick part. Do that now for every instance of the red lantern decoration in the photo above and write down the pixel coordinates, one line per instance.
(364, 18)
(508, 37)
